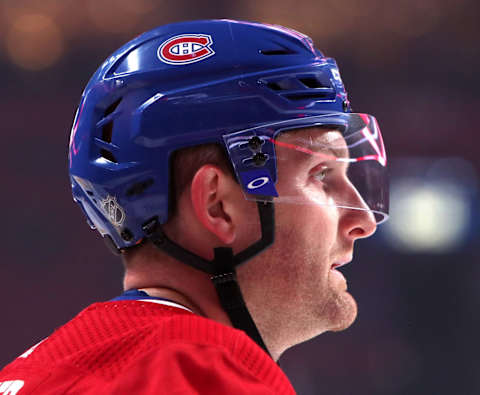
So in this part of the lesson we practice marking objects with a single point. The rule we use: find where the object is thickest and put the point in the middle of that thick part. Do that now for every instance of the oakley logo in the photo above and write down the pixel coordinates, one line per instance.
(258, 182)
(186, 49)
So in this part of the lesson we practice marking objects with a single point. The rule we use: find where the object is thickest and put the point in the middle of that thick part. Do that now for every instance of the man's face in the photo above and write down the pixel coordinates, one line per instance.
(313, 236)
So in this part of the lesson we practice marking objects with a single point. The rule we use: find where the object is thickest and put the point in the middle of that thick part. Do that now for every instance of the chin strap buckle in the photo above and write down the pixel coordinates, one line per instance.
(226, 284)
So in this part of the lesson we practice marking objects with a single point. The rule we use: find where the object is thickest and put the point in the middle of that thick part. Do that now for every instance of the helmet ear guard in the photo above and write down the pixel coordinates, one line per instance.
(239, 85)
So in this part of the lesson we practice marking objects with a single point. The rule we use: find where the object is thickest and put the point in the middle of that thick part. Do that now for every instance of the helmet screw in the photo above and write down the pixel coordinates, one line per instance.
(346, 105)
(126, 235)
(259, 159)
(150, 226)
(255, 143)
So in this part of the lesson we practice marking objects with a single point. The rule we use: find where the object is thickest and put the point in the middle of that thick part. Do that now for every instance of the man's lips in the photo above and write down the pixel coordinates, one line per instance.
(340, 263)
(337, 275)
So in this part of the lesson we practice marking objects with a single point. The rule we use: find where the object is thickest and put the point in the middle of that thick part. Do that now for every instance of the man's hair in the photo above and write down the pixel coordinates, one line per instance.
(185, 163)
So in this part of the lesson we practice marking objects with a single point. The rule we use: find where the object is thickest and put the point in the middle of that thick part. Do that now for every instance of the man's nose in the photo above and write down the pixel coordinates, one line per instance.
(358, 221)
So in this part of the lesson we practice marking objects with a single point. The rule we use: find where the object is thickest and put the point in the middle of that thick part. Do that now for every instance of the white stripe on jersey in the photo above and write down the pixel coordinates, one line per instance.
(166, 303)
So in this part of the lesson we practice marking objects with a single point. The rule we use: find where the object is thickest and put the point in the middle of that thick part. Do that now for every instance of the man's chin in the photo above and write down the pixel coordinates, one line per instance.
(346, 313)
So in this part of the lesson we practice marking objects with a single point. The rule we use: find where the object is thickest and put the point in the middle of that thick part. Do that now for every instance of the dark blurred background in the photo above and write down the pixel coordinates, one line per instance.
(413, 64)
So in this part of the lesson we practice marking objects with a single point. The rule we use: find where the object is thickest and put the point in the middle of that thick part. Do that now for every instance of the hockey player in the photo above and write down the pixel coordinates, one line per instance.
(222, 161)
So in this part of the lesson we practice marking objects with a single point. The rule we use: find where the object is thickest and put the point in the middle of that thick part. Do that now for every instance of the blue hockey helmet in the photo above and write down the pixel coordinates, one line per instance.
(238, 84)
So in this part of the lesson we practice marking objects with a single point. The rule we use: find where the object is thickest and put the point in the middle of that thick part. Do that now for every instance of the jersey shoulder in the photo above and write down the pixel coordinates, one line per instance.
(141, 347)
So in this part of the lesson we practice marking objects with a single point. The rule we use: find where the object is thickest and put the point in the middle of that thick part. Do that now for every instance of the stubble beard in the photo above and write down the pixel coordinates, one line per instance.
(341, 311)
(304, 298)
(332, 308)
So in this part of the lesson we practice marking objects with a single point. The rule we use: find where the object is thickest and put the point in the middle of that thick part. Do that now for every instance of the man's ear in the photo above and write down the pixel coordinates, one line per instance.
(209, 193)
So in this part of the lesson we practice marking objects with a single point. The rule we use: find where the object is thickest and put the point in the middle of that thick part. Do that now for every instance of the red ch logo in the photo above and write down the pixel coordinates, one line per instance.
(186, 49)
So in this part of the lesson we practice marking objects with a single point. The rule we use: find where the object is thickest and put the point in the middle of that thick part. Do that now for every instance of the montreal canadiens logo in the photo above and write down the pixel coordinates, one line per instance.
(186, 49)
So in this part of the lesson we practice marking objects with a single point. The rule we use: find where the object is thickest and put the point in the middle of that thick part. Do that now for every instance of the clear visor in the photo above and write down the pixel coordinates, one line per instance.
(331, 160)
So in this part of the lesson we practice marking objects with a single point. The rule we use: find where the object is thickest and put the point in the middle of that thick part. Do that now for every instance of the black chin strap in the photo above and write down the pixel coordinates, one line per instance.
(222, 267)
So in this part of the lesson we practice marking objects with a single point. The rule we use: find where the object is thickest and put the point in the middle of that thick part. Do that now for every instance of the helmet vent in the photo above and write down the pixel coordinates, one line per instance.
(139, 187)
(312, 82)
(276, 52)
(298, 83)
(107, 129)
(111, 108)
(309, 96)
(285, 84)
(274, 86)
(107, 132)
(108, 155)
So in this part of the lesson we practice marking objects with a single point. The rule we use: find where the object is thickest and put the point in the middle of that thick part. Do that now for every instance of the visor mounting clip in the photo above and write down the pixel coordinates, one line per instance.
(259, 159)
(126, 235)
(255, 143)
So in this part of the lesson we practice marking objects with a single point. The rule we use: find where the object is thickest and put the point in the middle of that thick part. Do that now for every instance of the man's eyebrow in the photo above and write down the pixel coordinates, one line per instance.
(317, 149)
(338, 152)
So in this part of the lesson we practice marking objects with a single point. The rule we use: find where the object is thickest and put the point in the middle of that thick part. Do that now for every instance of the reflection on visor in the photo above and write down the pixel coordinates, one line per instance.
(333, 160)
(380, 155)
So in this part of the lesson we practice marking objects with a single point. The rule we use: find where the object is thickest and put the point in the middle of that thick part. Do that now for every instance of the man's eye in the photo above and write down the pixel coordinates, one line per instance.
(321, 174)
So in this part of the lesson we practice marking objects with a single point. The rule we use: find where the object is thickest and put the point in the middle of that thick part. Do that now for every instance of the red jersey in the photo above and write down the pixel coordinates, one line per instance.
(142, 347)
